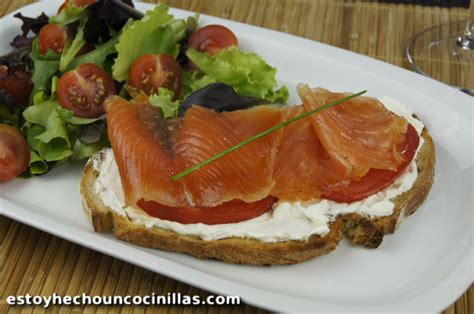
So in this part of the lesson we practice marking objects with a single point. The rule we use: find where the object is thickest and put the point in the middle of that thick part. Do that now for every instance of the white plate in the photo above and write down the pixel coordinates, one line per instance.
(424, 266)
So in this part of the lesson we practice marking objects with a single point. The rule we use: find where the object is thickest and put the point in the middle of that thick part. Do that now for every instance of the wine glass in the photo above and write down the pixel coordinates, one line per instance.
(446, 52)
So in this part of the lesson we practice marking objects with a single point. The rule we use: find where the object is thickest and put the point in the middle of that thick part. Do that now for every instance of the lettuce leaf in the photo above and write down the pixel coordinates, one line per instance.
(82, 150)
(218, 97)
(53, 143)
(194, 81)
(37, 164)
(45, 67)
(68, 116)
(156, 33)
(52, 133)
(246, 72)
(163, 101)
(68, 16)
(108, 17)
(201, 82)
(91, 133)
(29, 24)
(72, 48)
(31, 135)
(97, 56)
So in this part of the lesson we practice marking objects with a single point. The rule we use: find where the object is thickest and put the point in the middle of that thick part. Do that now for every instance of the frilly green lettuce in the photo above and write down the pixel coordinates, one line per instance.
(246, 72)
(37, 165)
(163, 101)
(51, 133)
(53, 142)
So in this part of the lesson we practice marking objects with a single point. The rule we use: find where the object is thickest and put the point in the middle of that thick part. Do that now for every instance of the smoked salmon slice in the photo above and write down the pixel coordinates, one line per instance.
(246, 174)
(303, 169)
(359, 134)
(318, 156)
(144, 163)
(148, 153)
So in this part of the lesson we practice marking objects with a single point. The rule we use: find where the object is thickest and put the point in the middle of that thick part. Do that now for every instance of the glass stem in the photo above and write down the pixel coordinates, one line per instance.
(466, 41)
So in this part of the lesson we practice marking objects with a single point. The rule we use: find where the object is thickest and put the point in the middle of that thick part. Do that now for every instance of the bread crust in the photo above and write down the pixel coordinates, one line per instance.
(361, 230)
(369, 232)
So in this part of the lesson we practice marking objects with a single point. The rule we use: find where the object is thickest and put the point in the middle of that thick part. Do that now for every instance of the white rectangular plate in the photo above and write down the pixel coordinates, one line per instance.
(424, 266)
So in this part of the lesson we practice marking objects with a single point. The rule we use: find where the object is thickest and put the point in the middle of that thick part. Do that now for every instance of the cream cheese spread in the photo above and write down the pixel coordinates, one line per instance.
(287, 221)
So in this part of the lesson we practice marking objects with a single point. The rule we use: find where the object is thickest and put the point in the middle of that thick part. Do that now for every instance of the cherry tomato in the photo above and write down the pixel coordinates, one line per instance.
(52, 37)
(376, 179)
(149, 72)
(77, 3)
(17, 85)
(84, 90)
(212, 39)
(14, 153)
(230, 212)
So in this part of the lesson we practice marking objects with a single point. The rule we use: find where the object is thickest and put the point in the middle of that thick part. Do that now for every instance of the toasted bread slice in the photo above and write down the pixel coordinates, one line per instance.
(231, 250)
(360, 229)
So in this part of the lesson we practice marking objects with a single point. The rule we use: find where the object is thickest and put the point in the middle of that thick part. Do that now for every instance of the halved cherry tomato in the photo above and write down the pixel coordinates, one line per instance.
(212, 39)
(230, 212)
(84, 90)
(14, 153)
(376, 179)
(17, 85)
(52, 37)
(149, 72)
(77, 3)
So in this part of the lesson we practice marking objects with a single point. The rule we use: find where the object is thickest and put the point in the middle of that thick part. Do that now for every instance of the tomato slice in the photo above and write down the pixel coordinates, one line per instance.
(230, 212)
(212, 39)
(376, 179)
(149, 72)
(17, 85)
(84, 90)
(14, 153)
(52, 37)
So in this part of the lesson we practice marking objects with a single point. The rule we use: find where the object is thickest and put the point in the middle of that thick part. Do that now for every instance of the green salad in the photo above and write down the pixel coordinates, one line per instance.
(54, 84)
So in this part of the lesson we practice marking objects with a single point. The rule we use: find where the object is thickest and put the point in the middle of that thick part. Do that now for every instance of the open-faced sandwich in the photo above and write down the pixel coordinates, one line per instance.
(198, 164)
(356, 169)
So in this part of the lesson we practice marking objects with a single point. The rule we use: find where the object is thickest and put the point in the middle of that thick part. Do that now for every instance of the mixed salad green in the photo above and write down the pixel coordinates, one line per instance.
(114, 37)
